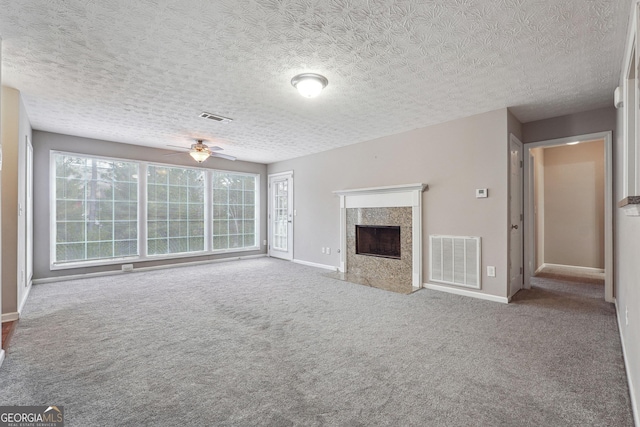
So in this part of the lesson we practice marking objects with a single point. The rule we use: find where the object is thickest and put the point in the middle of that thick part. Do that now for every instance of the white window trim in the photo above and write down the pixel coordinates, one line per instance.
(256, 214)
(53, 265)
(631, 110)
(142, 216)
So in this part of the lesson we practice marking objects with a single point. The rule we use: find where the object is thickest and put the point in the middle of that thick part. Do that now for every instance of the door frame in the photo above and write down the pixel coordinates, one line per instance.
(529, 225)
(514, 139)
(290, 246)
(29, 214)
(25, 222)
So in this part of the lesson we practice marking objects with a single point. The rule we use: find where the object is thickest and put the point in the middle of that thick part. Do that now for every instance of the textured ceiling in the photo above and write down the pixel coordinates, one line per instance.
(141, 71)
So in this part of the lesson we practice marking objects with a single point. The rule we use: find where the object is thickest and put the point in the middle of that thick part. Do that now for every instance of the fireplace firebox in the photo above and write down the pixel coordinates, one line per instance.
(378, 240)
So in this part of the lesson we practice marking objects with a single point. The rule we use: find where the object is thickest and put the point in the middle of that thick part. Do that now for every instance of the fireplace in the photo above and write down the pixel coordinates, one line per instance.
(378, 240)
(381, 236)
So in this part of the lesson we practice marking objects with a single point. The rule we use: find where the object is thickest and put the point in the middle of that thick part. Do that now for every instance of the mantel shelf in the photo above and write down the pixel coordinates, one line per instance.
(387, 189)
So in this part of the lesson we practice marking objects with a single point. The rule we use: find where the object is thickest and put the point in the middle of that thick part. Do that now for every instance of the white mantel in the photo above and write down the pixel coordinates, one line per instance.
(407, 195)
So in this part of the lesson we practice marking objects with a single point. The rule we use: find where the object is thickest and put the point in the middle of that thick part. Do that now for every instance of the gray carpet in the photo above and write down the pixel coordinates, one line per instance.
(270, 343)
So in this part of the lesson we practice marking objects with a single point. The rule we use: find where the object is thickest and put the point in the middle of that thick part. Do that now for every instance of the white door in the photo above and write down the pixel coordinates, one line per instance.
(281, 215)
(515, 216)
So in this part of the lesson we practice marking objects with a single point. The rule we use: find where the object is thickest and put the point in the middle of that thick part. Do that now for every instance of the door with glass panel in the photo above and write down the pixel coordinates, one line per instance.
(281, 215)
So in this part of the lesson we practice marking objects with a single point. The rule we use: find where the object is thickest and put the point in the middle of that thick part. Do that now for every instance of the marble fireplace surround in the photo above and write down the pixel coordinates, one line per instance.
(365, 203)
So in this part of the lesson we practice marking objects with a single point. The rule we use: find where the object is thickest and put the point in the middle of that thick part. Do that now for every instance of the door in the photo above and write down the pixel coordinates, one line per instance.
(515, 216)
(281, 215)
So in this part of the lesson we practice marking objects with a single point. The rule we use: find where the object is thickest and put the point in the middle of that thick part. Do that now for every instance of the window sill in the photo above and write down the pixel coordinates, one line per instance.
(630, 205)
(137, 259)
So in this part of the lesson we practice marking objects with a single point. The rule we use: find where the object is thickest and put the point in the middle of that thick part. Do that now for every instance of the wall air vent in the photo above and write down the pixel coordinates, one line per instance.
(455, 260)
(215, 117)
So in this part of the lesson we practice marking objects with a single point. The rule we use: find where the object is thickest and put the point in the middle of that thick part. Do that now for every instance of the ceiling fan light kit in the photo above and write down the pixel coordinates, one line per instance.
(200, 155)
(201, 152)
(309, 84)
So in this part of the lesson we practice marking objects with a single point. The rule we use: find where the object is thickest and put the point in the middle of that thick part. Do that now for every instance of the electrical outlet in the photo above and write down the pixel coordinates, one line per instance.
(264, 242)
(491, 271)
(127, 267)
(323, 249)
(328, 251)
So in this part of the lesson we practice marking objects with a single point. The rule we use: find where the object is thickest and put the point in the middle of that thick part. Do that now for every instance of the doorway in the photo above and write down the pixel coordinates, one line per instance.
(568, 208)
(281, 215)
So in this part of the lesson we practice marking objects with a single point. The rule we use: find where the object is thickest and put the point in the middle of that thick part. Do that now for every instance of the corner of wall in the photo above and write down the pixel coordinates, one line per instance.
(514, 126)
(16, 127)
(626, 273)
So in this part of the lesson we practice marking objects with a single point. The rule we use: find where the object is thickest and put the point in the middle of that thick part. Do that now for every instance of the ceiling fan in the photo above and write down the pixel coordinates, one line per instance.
(201, 152)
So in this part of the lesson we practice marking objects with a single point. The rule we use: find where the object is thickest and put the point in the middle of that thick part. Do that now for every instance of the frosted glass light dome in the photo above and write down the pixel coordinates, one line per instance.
(200, 155)
(309, 84)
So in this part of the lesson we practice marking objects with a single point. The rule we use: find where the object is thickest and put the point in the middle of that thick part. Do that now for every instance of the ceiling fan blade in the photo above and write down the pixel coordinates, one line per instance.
(177, 146)
(215, 148)
(223, 156)
(179, 153)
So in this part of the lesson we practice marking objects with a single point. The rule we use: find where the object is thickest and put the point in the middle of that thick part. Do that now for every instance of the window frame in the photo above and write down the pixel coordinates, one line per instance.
(142, 234)
(630, 80)
(57, 265)
(256, 213)
(146, 206)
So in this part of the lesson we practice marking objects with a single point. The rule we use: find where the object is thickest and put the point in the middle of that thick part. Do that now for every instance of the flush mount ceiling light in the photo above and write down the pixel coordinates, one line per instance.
(309, 84)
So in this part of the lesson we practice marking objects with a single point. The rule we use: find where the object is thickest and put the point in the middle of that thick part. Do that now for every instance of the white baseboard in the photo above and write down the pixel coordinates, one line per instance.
(10, 317)
(155, 267)
(632, 389)
(313, 264)
(466, 293)
(570, 267)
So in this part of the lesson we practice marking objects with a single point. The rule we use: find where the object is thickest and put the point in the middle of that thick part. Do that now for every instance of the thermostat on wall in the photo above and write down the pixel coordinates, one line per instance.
(481, 193)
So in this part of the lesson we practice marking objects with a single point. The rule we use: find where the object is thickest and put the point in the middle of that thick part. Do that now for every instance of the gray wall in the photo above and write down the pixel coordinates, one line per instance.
(453, 158)
(593, 121)
(15, 127)
(44, 142)
(574, 205)
(627, 271)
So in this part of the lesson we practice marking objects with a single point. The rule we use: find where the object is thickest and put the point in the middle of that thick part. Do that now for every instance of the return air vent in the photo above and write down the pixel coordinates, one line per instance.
(455, 260)
(215, 117)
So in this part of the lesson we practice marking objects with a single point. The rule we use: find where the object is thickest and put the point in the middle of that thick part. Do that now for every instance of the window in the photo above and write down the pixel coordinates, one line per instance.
(95, 209)
(175, 210)
(631, 110)
(630, 128)
(106, 210)
(234, 210)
